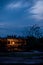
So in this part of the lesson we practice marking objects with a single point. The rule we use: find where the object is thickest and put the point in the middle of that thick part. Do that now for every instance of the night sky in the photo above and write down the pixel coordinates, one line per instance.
(15, 15)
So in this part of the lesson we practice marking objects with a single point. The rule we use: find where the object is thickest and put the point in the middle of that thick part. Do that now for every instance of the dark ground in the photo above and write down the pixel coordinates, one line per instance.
(33, 57)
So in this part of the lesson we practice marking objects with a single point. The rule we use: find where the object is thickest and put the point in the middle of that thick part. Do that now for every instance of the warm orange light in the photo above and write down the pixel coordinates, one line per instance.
(13, 43)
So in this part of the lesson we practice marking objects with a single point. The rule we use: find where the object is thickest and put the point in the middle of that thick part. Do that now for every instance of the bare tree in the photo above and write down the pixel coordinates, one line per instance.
(35, 31)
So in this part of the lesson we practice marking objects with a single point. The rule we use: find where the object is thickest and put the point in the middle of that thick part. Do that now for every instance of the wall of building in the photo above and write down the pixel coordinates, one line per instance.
(13, 44)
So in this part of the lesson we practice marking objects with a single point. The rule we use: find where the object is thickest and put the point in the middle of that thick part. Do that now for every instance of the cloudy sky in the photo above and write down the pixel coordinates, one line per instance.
(15, 15)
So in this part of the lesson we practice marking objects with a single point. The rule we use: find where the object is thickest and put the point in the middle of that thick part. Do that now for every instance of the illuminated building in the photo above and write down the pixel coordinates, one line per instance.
(13, 43)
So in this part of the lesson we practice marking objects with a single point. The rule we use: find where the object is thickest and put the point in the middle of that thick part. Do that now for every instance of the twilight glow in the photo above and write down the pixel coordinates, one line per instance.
(15, 15)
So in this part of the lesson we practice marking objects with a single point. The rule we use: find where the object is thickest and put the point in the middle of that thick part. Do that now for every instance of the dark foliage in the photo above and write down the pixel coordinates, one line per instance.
(34, 41)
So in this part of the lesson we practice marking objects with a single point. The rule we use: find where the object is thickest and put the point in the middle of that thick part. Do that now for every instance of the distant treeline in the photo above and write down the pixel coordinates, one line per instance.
(32, 43)
(34, 39)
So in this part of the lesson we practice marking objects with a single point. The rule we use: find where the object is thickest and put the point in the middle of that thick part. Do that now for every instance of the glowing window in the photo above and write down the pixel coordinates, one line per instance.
(13, 43)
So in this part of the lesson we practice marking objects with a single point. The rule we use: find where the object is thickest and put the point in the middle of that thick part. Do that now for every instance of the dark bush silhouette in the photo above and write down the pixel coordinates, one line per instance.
(34, 40)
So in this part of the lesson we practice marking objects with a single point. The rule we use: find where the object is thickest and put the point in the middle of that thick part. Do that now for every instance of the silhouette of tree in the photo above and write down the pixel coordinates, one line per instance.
(33, 36)
(35, 31)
